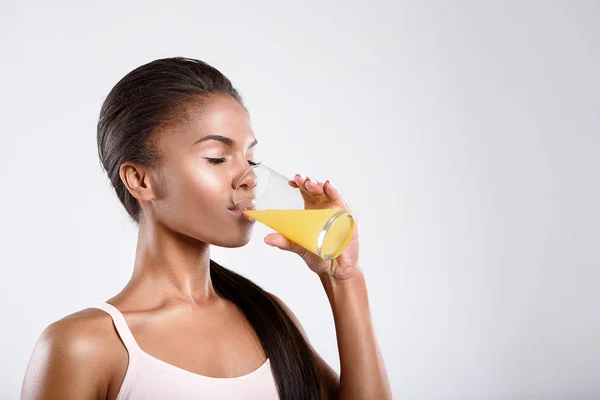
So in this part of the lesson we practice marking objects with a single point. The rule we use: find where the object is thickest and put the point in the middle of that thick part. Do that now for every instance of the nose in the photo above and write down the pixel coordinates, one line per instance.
(247, 181)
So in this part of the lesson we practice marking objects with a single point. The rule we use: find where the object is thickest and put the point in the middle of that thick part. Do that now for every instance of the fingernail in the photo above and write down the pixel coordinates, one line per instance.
(332, 185)
(313, 181)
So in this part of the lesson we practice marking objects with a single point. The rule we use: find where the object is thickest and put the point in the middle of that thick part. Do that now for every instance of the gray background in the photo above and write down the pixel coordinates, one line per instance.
(465, 136)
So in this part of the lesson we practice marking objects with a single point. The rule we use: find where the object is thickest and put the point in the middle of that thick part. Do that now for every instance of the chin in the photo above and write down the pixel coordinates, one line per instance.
(233, 242)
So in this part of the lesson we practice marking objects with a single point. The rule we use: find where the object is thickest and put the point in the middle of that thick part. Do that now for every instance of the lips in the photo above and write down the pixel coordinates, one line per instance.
(239, 214)
(246, 204)
(234, 208)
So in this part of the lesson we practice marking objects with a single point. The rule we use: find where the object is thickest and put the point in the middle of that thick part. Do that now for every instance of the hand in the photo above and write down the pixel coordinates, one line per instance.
(322, 196)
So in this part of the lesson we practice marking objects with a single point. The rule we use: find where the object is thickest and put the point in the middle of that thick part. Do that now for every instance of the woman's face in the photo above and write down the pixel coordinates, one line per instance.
(197, 175)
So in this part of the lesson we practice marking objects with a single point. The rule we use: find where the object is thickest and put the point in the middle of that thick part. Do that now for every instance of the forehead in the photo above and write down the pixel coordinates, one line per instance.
(215, 115)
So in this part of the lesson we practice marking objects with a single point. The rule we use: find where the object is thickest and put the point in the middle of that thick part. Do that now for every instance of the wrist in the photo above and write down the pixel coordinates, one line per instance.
(352, 277)
(340, 274)
(347, 293)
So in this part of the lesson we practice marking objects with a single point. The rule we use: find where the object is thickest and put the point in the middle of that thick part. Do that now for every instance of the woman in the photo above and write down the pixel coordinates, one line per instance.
(175, 139)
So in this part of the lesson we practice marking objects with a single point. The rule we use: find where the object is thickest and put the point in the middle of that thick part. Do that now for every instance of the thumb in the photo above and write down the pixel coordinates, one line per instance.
(283, 243)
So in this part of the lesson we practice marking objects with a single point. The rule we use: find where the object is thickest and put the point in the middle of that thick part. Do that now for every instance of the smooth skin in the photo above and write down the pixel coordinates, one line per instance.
(170, 304)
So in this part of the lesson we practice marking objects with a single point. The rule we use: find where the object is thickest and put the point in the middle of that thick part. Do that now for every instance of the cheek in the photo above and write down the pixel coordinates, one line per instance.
(194, 195)
(204, 186)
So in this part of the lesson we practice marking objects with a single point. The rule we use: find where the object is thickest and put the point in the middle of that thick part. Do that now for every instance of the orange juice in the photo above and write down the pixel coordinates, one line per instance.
(325, 232)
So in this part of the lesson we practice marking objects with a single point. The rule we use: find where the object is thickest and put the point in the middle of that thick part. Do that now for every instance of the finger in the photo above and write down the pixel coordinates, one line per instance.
(283, 243)
(314, 186)
(300, 179)
(331, 191)
(333, 194)
(309, 184)
(307, 195)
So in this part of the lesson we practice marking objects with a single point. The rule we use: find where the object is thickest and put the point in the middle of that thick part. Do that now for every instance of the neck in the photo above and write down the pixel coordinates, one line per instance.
(171, 267)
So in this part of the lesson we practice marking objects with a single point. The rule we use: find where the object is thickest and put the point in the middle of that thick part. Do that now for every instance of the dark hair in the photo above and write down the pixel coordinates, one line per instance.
(155, 95)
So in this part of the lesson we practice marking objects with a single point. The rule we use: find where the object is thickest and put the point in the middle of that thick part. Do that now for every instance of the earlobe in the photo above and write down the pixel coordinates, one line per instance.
(136, 180)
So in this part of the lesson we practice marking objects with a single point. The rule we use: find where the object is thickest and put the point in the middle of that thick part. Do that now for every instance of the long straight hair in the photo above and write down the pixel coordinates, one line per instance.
(155, 95)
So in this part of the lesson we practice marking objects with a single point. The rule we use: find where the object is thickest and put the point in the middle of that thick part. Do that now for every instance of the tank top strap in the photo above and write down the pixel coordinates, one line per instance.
(121, 326)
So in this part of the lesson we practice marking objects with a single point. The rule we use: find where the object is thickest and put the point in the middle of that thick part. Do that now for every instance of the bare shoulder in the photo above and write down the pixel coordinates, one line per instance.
(84, 334)
(331, 380)
(72, 358)
(89, 325)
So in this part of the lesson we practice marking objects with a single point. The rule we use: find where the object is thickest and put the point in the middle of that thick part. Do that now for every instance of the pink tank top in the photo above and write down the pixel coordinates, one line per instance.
(149, 378)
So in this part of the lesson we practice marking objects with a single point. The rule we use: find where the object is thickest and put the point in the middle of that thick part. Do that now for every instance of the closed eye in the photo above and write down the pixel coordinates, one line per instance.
(222, 160)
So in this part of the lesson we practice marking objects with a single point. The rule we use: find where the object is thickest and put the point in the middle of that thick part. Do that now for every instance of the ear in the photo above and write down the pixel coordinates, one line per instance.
(137, 180)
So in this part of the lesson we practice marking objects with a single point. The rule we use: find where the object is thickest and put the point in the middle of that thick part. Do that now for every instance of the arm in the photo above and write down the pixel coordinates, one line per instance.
(363, 374)
(64, 365)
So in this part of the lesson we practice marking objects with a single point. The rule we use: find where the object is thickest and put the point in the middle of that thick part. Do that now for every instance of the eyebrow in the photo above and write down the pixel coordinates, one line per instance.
(227, 141)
